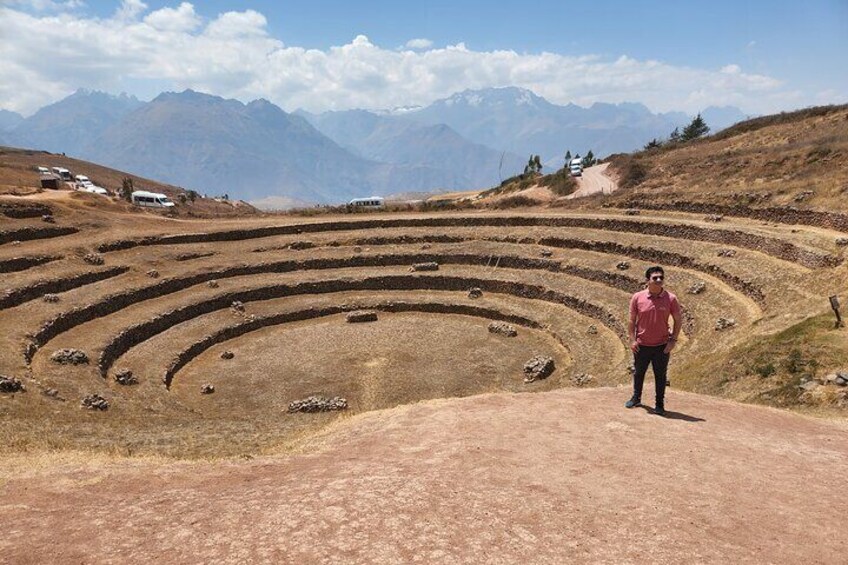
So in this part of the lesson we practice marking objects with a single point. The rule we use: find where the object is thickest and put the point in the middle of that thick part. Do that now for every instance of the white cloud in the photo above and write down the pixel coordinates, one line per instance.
(130, 10)
(233, 55)
(183, 19)
(419, 43)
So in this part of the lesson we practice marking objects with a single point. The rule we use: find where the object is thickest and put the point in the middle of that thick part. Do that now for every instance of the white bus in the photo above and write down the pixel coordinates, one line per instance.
(63, 173)
(151, 199)
(371, 202)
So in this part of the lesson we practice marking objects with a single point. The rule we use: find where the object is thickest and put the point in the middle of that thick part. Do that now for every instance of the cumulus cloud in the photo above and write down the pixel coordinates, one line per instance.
(419, 43)
(182, 19)
(234, 55)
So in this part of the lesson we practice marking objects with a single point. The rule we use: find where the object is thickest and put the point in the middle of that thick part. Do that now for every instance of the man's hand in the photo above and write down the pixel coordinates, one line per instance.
(634, 346)
(669, 346)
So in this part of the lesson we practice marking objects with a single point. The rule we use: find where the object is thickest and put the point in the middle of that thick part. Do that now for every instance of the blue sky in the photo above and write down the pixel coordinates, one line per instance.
(760, 56)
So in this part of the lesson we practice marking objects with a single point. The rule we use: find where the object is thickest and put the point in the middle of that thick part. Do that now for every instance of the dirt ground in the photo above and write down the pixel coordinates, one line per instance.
(562, 476)
(595, 180)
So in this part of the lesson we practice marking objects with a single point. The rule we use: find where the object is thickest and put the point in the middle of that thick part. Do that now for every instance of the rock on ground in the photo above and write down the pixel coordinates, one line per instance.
(318, 404)
(502, 328)
(538, 368)
(69, 357)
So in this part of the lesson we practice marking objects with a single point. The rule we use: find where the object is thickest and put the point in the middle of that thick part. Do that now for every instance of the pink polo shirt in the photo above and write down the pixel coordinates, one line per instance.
(652, 313)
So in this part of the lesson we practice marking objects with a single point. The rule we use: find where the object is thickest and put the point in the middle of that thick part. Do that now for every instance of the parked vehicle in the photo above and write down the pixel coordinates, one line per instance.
(43, 170)
(372, 202)
(94, 189)
(576, 170)
(63, 173)
(151, 199)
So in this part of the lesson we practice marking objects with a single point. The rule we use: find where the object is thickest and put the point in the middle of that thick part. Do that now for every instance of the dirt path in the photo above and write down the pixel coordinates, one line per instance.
(566, 476)
(594, 181)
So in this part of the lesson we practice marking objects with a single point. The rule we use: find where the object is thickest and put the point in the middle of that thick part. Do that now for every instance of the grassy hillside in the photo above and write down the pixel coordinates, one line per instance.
(791, 159)
(19, 177)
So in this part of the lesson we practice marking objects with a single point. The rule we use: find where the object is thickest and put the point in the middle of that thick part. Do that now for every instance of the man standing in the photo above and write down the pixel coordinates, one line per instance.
(650, 338)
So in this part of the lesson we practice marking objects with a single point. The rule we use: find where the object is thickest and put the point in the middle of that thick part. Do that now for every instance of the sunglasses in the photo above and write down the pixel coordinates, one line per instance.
(657, 278)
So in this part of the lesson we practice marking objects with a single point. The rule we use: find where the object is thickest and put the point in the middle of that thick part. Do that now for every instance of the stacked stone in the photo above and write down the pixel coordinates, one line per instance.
(95, 402)
(125, 377)
(623, 266)
(207, 389)
(429, 266)
(475, 292)
(313, 404)
(697, 287)
(361, 316)
(724, 323)
(227, 355)
(839, 378)
(69, 357)
(503, 329)
(49, 297)
(93, 258)
(726, 253)
(581, 379)
(538, 368)
(237, 306)
(10, 384)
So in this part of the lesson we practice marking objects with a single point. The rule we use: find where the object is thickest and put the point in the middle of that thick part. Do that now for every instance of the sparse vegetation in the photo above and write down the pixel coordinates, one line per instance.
(561, 183)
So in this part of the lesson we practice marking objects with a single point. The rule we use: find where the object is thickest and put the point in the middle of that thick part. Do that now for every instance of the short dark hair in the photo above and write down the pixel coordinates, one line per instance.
(654, 269)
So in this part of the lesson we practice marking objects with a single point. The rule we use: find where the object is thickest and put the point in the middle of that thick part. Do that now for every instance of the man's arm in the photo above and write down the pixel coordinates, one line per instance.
(677, 325)
(631, 326)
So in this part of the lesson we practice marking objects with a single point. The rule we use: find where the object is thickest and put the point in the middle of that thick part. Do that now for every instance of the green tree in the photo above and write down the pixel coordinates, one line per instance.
(696, 128)
(674, 136)
(589, 159)
(568, 157)
(653, 144)
(126, 189)
(537, 162)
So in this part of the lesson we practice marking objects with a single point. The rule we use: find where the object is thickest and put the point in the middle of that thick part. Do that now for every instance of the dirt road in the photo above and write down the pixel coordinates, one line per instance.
(565, 476)
(594, 181)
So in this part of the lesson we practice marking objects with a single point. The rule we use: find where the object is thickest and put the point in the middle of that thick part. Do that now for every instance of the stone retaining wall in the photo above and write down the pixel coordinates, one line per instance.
(231, 332)
(139, 333)
(30, 233)
(779, 214)
(16, 264)
(18, 296)
(770, 246)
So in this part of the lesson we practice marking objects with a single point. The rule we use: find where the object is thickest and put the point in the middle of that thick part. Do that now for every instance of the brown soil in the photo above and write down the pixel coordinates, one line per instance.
(565, 476)
(438, 457)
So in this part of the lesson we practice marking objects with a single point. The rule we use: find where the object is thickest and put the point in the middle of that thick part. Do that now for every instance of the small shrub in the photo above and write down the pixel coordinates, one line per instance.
(765, 370)
(633, 174)
(560, 183)
(515, 202)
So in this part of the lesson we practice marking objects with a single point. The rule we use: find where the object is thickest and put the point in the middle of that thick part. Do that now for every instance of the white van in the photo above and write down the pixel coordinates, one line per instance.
(372, 202)
(62, 173)
(43, 170)
(151, 199)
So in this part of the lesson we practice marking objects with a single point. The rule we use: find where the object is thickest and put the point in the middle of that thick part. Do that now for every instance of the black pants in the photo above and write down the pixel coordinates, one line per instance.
(658, 359)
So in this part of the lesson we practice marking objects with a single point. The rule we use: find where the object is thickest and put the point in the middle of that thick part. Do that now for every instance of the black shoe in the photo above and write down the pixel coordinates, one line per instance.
(633, 403)
(659, 410)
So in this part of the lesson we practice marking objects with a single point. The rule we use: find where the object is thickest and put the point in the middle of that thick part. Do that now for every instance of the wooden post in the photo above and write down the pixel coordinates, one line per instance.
(834, 303)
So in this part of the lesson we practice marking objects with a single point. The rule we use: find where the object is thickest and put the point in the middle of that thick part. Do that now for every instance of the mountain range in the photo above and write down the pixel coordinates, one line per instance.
(259, 152)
